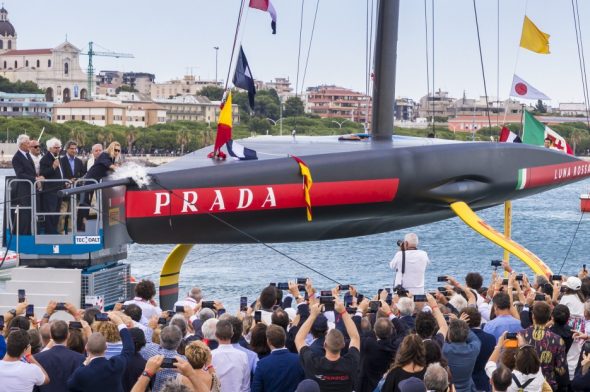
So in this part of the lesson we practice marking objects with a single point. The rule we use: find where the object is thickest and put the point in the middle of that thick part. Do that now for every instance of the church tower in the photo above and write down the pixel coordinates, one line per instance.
(7, 32)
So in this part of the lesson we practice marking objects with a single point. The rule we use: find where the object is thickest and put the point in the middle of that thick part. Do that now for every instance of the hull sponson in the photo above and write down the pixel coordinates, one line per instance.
(420, 184)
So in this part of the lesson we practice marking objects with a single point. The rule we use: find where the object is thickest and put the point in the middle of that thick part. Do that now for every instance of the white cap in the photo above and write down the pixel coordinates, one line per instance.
(573, 283)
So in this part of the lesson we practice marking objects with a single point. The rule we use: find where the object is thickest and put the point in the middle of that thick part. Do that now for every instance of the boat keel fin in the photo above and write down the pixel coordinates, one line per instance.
(170, 275)
(472, 220)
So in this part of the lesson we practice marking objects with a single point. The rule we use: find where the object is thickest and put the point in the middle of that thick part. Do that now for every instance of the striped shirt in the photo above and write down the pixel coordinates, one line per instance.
(152, 349)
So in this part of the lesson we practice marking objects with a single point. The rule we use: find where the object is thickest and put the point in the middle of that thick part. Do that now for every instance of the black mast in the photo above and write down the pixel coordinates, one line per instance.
(385, 61)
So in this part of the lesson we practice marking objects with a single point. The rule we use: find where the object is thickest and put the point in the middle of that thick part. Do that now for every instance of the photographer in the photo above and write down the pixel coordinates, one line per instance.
(410, 264)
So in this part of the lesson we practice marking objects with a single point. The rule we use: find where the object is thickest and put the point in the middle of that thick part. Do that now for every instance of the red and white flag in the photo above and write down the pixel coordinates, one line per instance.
(266, 5)
(522, 89)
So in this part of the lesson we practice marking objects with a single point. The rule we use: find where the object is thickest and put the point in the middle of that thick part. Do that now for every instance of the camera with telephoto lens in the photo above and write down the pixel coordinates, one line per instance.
(400, 291)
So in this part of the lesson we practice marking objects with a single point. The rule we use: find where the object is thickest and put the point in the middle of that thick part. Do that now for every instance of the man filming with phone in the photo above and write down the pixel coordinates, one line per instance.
(410, 264)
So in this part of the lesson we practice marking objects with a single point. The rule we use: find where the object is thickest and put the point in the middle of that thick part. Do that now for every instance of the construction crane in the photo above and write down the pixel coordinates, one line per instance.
(91, 53)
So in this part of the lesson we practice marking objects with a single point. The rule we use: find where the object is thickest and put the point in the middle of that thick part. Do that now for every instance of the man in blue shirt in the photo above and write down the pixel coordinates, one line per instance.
(281, 370)
(504, 321)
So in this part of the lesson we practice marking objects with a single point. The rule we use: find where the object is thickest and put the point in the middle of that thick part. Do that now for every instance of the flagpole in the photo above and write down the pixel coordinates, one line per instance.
(522, 105)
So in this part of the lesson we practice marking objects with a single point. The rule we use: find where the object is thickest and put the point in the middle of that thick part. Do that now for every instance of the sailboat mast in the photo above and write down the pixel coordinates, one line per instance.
(385, 62)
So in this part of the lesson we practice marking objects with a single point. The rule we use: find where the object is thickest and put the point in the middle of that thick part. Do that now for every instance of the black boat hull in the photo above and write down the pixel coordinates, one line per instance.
(354, 193)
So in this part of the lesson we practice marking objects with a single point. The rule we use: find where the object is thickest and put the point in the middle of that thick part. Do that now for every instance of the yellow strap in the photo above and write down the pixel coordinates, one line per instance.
(466, 214)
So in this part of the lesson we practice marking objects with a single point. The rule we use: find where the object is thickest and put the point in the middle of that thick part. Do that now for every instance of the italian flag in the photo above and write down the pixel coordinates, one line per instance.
(536, 132)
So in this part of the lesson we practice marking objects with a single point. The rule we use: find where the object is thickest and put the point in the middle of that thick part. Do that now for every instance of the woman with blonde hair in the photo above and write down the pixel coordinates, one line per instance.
(107, 161)
(199, 356)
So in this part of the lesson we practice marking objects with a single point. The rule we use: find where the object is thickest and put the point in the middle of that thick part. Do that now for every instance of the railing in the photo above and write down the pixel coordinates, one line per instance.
(36, 209)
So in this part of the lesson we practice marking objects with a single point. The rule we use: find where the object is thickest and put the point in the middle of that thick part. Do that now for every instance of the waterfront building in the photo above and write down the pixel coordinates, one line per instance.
(25, 105)
(55, 70)
(405, 109)
(188, 85)
(473, 123)
(437, 105)
(194, 108)
(281, 85)
(572, 109)
(101, 113)
(338, 102)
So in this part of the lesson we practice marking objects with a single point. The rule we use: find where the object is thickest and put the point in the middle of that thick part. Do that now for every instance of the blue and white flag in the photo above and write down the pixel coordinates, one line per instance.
(236, 150)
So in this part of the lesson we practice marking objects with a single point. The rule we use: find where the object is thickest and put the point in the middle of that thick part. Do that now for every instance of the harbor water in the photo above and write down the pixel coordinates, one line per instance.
(545, 224)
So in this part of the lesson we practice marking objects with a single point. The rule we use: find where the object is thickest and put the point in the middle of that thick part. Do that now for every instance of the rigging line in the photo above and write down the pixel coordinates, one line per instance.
(427, 61)
(370, 60)
(309, 48)
(198, 258)
(571, 243)
(483, 73)
(250, 236)
(582, 60)
(367, 51)
(433, 85)
(233, 49)
(299, 53)
(498, 66)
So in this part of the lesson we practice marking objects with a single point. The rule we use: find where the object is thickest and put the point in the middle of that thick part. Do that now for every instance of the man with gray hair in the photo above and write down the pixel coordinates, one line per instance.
(409, 265)
(193, 297)
(21, 191)
(96, 151)
(170, 339)
(436, 378)
(50, 169)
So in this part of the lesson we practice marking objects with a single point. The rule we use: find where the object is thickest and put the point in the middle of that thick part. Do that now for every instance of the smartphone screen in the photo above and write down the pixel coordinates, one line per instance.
(257, 316)
(30, 311)
(243, 304)
(101, 317)
(179, 309)
(21, 296)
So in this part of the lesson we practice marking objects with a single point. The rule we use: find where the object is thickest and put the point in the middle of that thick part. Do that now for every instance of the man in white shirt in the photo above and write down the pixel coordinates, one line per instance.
(96, 151)
(231, 364)
(145, 291)
(18, 375)
(192, 299)
(410, 275)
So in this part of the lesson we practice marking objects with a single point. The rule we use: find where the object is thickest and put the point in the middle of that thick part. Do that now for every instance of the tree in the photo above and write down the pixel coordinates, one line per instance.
(293, 107)
(183, 137)
(214, 93)
(131, 137)
(125, 88)
(540, 107)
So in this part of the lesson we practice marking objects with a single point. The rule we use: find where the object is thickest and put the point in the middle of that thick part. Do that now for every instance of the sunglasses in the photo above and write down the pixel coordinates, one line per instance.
(35, 146)
(117, 150)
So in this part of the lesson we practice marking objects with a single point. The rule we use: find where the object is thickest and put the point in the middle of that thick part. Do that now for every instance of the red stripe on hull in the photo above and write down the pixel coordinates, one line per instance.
(555, 174)
(148, 204)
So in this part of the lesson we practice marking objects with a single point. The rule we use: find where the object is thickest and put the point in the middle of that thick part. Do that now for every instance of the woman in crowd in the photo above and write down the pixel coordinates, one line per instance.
(199, 356)
(110, 332)
(258, 340)
(410, 361)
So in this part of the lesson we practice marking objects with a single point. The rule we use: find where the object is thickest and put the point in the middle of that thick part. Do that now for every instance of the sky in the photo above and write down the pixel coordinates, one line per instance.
(174, 38)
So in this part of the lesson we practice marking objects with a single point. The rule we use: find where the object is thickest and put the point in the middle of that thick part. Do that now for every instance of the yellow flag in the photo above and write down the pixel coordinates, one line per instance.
(534, 39)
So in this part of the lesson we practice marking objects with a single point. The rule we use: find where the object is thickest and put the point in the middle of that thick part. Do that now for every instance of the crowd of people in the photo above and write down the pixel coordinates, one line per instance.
(56, 169)
(514, 335)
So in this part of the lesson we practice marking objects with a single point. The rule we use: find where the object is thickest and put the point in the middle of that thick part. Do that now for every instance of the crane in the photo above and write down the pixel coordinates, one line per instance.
(91, 53)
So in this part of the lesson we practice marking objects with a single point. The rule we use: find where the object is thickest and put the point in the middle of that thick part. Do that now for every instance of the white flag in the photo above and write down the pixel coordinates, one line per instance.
(521, 89)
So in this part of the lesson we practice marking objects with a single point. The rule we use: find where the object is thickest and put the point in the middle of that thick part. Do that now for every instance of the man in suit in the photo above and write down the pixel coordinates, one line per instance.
(21, 192)
(59, 361)
(281, 370)
(98, 374)
(50, 169)
(73, 168)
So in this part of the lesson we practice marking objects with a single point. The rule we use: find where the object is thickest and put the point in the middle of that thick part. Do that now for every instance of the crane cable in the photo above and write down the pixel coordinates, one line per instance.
(483, 73)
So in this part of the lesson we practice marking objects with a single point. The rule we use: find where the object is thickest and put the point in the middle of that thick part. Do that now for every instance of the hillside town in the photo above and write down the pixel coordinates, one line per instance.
(111, 97)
